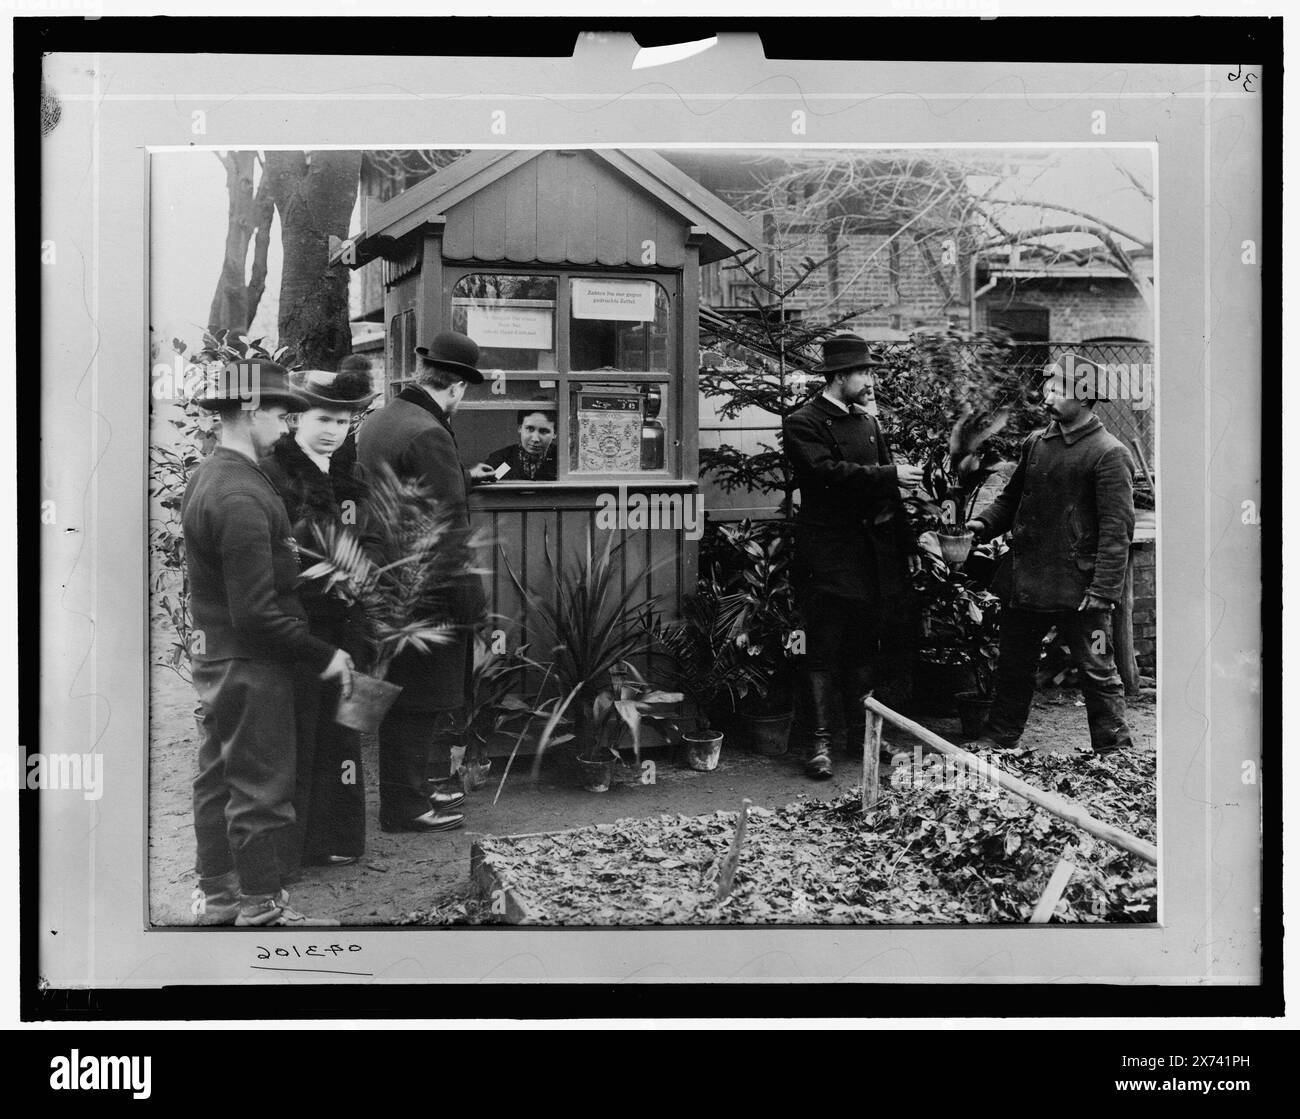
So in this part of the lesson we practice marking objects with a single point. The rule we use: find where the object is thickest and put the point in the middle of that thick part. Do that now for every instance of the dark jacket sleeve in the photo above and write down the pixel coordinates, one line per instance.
(244, 540)
(1001, 512)
(813, 462)
(1114, 495)
(431, 457)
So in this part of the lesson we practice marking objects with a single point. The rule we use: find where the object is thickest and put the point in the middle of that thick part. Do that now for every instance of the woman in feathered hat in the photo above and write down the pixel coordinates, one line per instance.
(315, 476)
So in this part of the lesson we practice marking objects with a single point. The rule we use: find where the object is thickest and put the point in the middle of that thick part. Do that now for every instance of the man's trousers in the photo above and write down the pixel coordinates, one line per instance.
(243, 793)
(1088, 634)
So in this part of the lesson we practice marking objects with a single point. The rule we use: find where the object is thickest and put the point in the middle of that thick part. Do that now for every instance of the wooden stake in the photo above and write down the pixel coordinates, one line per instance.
(1056, 805)
(727, 871)
(871, 760)
(1055, 888)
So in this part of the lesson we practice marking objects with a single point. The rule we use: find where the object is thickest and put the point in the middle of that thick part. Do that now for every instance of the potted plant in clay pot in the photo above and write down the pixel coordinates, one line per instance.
(493, 706)
(404, 583)
(588, 631)
(709, 665)
(959, 634)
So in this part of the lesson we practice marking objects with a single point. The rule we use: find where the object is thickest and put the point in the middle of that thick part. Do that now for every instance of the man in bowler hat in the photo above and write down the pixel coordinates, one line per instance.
(251, 634)
(413, 436)
(1069, 506)
(850, 540)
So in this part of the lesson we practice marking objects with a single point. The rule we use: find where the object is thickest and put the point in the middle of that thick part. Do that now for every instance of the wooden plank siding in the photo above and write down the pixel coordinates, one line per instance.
(564, 209)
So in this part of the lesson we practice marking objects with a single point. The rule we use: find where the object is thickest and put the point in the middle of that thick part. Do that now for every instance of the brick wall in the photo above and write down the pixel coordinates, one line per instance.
(1079, 309)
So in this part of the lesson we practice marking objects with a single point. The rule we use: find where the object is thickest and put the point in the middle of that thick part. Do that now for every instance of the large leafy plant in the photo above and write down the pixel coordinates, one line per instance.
(750, 563)
(954, 403)
(408, 573)
(590, 632)
(706, 652)
(959, 617)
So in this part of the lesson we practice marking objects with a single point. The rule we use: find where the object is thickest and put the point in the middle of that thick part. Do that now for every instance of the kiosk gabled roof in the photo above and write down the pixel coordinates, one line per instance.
(725, 231)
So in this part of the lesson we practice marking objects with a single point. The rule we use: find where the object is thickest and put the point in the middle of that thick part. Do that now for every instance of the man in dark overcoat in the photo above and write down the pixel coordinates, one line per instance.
(1069, 506)
(413, 436)
(851, 541)
(251, 636)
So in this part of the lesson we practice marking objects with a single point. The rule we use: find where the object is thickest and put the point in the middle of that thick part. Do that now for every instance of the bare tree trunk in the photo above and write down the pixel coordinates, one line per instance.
(314, 194)
(249, 214)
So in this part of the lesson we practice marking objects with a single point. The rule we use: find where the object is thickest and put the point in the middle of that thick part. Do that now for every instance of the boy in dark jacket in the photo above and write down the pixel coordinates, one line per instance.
(250, 637)
(1070, 508)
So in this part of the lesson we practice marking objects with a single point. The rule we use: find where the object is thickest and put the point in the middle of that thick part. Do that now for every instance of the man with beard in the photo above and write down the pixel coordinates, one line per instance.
(850, 540)
(412, 435)
(1069, 506)
(251, 635)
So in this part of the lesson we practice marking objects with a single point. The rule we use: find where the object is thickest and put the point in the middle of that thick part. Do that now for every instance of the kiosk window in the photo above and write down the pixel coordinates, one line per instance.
(617, 324)
(511, 317)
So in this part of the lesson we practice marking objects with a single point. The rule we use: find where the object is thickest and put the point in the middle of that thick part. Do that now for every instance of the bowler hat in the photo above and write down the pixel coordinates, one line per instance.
(350, 389)
(249, 382)
(455, 351)
(843, 353)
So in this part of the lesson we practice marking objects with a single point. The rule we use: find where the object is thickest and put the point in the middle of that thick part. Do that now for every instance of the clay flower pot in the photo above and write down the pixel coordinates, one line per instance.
(595, 776)
(955, 546)
(369, 702)
(769, 735)
(703, 748)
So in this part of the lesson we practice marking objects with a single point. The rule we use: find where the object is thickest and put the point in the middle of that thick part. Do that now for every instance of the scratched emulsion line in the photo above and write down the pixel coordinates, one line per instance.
(1206, 202)
(93, 525)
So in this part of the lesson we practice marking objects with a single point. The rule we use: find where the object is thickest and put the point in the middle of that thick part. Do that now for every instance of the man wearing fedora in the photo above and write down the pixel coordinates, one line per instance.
(413, 436)
(850, 540)
(251, 636)
(1069, 506)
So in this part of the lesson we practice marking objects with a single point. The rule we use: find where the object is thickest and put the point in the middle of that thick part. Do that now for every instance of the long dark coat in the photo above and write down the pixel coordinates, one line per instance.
(412, 436)
(329, 798)
(851, 536)
(1070, 508)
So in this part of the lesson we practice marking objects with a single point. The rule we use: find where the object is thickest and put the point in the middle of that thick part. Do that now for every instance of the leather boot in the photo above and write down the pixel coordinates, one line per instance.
(821, 690)
(854, 687)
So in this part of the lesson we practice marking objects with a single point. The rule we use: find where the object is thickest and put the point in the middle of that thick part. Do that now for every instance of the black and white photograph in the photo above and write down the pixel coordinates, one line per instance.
(636, 536)
(638, 517)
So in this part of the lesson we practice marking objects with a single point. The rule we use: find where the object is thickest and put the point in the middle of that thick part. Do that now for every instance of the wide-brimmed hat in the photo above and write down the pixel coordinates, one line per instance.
(454, 351)
(349, 389)
(249, 382)
(843, 353)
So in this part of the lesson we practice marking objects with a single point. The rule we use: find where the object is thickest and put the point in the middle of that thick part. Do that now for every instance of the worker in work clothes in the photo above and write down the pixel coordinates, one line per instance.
(1069, 506)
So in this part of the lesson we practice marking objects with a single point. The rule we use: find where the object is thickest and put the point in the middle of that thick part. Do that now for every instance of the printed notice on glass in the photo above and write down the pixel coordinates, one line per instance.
(609, 433)
(614, 300)
(515, 324)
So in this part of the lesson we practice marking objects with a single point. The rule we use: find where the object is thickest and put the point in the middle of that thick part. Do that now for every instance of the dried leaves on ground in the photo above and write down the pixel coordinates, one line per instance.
(934, 850)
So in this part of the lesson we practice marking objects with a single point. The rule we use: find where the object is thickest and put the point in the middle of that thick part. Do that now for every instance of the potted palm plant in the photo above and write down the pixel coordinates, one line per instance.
(588, 630)
(711, 667)
(402, 574)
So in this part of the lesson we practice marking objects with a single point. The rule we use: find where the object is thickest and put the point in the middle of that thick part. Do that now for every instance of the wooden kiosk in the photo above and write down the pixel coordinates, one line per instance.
(577, 272)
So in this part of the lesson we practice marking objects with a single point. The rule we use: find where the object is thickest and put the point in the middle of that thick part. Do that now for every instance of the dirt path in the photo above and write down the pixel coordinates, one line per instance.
(404, 873)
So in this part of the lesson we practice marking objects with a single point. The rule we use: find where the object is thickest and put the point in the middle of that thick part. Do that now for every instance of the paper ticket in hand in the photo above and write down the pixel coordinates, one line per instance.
(502, 470)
